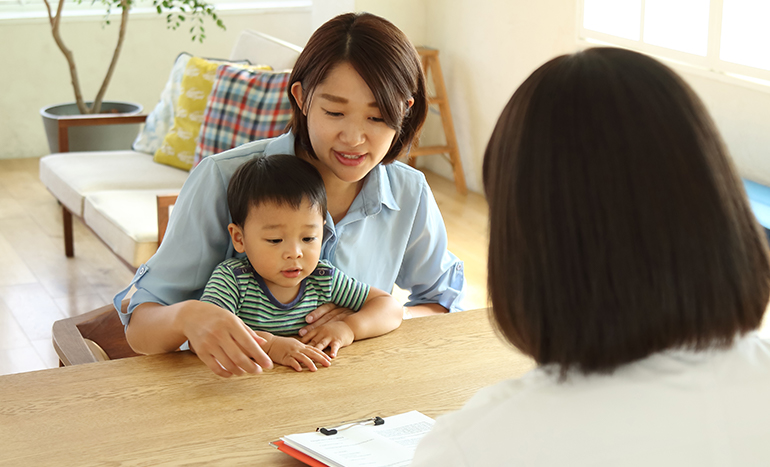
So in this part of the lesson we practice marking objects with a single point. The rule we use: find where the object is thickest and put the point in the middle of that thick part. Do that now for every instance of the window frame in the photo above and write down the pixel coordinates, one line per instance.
(710, 65)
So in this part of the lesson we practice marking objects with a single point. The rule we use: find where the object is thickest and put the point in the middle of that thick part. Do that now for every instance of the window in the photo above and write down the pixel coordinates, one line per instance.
(729, 37)
(23, 9)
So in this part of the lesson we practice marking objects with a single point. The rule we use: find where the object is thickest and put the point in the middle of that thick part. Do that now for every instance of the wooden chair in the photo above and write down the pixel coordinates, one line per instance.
(165, 204)
(99, 334)
(92, 337)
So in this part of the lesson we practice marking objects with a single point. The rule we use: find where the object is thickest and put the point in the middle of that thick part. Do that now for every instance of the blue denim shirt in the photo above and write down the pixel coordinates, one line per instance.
(393, 233)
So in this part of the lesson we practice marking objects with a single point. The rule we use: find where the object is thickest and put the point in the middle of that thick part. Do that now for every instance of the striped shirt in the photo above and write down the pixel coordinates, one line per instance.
(236, 286)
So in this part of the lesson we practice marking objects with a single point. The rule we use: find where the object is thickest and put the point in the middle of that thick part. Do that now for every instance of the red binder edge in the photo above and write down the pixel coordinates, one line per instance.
(300, 456)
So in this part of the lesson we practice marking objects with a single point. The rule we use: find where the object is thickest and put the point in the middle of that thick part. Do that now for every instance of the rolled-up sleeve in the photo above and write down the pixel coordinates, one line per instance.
(196, 241)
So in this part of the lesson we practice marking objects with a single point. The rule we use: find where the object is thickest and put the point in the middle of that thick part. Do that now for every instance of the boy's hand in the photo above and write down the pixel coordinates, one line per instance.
(334, 335)
(293, 353)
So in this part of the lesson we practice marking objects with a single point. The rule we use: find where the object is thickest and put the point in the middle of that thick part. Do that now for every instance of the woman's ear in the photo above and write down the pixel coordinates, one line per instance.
(296, 91)
(236, 234)
(409, 103)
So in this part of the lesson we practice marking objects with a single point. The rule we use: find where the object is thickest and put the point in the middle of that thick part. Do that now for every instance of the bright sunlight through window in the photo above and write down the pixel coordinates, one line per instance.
(681, 25)
(746, 33)
(731, 37)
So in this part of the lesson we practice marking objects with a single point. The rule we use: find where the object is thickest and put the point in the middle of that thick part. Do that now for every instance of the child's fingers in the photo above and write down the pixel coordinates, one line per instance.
(307, 361)
(321, 343)
(334, 347)
(294, 364)
(319, 356)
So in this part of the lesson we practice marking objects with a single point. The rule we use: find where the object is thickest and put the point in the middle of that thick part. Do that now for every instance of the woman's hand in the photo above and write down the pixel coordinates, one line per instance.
(222, 341)
(293, 353)
(325, 313)
(334, 335)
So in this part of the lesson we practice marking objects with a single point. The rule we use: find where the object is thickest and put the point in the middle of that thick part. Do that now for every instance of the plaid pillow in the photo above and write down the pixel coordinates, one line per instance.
(243, 106)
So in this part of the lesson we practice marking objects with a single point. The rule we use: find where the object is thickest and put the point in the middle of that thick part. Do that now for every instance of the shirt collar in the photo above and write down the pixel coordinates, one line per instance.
(377, 191)
(283, 144)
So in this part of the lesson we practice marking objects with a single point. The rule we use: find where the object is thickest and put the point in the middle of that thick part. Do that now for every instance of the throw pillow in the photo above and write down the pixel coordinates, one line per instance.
(244, 105)
(178, 147)
(160, 120)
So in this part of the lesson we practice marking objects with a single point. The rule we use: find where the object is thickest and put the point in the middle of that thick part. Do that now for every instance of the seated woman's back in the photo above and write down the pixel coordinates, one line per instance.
(624, 258)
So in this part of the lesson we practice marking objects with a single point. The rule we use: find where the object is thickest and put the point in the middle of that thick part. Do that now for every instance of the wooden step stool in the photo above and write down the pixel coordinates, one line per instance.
(431, 65)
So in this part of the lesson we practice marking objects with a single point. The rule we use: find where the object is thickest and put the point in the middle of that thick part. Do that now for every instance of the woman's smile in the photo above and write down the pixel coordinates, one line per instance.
(350, 159)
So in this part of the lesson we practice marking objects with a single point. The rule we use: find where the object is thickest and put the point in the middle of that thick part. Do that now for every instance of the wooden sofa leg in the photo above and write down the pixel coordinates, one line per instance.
(69, 248)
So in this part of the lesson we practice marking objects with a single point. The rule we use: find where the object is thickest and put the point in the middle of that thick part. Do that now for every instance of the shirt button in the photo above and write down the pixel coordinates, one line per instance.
(459, 267)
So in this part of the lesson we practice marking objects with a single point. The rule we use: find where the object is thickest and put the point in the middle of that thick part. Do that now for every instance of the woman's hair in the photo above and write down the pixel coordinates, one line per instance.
(386, 61)
(618, 226)
(281, 179)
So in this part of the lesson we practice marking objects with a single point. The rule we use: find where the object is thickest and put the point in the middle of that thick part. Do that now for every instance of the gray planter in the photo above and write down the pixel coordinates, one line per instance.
(94, 138)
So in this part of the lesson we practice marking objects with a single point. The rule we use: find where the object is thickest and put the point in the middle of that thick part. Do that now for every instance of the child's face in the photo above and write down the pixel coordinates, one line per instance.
(283, 244)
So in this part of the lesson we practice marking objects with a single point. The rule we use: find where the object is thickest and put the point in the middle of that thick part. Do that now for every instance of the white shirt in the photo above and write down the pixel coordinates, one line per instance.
(676, 408)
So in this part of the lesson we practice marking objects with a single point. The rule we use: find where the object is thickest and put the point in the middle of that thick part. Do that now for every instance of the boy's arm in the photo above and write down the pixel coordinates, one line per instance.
(291, 352)
(379, 314)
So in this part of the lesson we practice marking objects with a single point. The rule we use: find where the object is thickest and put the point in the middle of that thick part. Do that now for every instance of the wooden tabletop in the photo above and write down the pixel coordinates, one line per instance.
(172, 410)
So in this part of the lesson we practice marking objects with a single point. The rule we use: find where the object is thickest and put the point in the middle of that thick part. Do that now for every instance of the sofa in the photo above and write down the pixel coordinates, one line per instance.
(116, 194)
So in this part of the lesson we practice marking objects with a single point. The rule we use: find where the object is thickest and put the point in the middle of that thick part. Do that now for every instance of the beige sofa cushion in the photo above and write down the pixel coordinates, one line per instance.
(126, 220)
(70, 177)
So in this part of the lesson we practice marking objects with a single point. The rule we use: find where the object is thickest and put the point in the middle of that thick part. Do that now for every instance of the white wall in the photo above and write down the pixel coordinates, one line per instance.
(34, 73)
(487, 48)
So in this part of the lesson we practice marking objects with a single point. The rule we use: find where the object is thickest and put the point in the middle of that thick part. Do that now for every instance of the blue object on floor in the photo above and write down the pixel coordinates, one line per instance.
(759, 198)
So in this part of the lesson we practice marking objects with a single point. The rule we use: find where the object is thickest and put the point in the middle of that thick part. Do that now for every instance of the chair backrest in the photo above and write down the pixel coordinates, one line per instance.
(91, 337)
(262, 49)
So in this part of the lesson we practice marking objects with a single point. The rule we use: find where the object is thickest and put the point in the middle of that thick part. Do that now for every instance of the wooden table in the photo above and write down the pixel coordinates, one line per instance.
(172, 410)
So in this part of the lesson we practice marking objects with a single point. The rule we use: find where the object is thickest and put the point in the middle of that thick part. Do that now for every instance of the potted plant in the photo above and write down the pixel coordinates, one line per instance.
(178, 13)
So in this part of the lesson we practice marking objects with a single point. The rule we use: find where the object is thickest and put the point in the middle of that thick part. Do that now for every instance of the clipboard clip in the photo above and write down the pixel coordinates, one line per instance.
(332, 430)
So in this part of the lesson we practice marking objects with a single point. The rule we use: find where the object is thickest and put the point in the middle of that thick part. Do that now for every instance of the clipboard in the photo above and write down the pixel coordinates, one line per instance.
(376, 441)
(300, 456)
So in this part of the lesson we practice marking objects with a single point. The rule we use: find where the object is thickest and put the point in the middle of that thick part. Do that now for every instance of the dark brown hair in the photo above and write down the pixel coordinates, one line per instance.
(618, 226)
(386, 61)
(281, 179)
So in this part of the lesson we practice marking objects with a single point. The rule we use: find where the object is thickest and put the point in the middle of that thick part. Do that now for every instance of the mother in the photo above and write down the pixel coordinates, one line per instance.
(358, 99)
(625, 260)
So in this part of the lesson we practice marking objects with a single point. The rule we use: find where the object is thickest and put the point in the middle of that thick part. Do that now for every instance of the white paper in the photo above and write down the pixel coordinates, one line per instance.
(391, 444)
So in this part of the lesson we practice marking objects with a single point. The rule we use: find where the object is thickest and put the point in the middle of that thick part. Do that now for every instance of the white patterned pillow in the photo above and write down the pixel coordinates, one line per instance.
(160, 120)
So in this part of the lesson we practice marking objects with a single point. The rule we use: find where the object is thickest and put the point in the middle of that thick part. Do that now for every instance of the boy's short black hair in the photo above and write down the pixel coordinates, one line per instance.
(280, 179)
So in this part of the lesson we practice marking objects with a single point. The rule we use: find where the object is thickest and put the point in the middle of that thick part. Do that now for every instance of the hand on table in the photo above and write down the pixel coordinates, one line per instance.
(293, 353)
(333, 334)
(222, 341)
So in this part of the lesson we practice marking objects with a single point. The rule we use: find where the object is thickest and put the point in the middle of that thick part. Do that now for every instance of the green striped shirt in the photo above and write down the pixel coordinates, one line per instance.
(236, 286)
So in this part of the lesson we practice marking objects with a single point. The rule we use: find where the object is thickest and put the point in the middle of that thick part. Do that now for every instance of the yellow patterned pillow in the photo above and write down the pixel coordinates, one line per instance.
(178, 147)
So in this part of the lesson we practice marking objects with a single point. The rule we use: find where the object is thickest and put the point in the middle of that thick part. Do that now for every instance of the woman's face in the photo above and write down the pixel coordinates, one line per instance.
(345, 126)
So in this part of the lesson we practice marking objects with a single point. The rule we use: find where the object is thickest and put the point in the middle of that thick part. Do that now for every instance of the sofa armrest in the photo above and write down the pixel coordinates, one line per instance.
(66, 122)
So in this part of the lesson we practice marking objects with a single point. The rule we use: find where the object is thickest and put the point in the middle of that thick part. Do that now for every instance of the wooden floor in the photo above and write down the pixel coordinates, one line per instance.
(39, 285)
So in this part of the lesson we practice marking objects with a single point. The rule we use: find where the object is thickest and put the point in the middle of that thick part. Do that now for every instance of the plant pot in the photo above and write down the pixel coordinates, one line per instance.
(93, 138)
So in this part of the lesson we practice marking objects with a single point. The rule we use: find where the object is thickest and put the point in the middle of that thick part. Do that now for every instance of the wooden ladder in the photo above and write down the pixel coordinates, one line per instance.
(431, 65)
